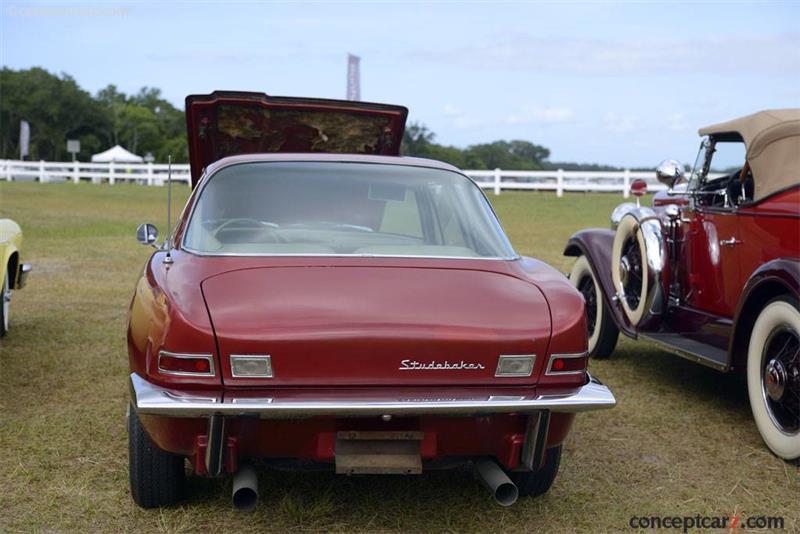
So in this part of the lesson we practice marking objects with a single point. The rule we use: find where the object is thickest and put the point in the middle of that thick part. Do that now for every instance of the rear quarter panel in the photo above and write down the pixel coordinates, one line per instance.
(769, 230)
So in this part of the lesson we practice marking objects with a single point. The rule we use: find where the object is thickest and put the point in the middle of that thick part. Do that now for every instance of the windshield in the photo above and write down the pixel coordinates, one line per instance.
(698, 169)
(332, 208)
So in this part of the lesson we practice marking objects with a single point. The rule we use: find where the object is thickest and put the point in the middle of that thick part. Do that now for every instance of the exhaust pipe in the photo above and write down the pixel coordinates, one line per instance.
(504, 491)
(245, 488)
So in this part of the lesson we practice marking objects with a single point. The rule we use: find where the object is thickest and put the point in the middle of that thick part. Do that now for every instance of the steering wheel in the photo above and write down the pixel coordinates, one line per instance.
(246, 223)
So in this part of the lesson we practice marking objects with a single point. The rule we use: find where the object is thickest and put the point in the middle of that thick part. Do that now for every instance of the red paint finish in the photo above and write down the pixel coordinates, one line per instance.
(349, 322)
(713, 269)
(340, 323)
(767, 231)
(453, 309)
(721, 255)
(315, 439)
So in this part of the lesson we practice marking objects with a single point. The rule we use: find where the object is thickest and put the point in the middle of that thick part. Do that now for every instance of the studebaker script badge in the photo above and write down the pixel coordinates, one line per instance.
(413, 365)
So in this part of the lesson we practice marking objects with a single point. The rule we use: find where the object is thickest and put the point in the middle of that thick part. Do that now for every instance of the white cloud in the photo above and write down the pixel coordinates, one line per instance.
(678, 122)
(524, 116)
(540, 116)
(459, 119)
(777, 55)
(617, 123)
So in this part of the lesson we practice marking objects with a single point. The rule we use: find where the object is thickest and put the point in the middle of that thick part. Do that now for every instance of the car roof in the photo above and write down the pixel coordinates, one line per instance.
(329, 157)
(756, 129)
(772, 141)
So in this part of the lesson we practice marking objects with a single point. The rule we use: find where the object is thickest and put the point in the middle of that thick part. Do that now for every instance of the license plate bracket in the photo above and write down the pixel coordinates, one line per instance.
(378, 452)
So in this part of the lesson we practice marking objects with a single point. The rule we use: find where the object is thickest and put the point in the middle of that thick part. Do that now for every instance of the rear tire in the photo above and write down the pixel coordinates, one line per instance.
(773, 376)
(603, 333)
(157, 478)
(535, 483)
(5, 302)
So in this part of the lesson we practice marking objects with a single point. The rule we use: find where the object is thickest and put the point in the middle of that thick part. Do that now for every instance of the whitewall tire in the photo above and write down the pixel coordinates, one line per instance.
(773, 376)
(629, 270)
(603, 333)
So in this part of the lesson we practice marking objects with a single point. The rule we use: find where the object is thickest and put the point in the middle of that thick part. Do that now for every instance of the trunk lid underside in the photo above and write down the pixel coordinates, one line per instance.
(227, 123)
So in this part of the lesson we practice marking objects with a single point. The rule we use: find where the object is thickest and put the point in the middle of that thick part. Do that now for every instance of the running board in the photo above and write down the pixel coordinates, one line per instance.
(688, 348)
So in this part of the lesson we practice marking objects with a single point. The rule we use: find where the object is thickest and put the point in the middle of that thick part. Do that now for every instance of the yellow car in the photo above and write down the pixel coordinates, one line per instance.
(13, 272)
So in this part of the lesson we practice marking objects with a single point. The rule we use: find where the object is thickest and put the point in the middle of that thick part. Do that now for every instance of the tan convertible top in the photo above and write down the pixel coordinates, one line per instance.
(772, 139)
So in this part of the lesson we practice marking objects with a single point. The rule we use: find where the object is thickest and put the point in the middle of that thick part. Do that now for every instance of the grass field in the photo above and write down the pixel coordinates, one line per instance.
(680, 442)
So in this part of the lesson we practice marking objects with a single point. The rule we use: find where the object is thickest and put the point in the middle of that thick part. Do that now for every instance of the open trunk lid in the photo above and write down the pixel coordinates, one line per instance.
(226, 123)
(400, 326)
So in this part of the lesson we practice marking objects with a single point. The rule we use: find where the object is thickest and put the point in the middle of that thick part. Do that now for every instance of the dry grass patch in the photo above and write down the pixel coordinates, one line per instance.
(681, 441)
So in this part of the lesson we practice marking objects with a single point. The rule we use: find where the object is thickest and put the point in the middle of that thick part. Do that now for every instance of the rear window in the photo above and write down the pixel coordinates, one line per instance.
(329, 208)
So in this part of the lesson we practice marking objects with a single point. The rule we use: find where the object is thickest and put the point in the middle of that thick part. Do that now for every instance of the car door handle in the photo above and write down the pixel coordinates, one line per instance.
(732, 242)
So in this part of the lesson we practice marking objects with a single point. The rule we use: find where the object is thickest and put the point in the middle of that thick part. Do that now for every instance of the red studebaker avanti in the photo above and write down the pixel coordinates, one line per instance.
(712, 270)
(324, 300)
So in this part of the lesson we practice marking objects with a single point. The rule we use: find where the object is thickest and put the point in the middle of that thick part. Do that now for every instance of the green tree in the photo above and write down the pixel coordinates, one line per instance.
(56, 109)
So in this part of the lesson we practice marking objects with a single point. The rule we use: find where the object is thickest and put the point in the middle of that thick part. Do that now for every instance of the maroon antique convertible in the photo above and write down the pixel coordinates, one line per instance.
(712, 270)
(324, 301)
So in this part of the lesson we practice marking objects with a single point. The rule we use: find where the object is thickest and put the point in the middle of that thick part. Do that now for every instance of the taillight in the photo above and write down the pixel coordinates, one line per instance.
(515, 365)
(567, 364)
(250, 366)
(171, 363)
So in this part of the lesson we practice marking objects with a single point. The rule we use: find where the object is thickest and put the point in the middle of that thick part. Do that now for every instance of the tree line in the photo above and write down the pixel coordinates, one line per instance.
(57, 109)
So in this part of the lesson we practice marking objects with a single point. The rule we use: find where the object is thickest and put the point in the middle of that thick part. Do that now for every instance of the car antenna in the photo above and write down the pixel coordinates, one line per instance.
(168, 242)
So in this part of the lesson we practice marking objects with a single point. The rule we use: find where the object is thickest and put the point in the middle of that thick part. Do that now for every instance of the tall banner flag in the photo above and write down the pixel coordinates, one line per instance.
(24, 139)
(353, 77)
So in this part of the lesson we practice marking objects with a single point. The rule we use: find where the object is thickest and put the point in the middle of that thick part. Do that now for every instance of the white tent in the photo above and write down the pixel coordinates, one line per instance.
(116, 154)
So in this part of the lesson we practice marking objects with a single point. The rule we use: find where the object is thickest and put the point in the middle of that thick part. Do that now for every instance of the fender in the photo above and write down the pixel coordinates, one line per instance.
(10, 243)
(596, 245)
(776, 277)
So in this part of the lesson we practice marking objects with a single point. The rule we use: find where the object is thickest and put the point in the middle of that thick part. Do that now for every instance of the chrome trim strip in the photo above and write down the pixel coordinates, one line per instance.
(195, 252)
(151, 399)
(215, 447)
(531, 441)
(541, 441)
(550, 372)
(251, 357)
(531, 357)
(677, 351)
(186, 356)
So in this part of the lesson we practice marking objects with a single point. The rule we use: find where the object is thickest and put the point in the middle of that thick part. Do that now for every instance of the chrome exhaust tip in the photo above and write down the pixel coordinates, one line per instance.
(245, 489)
(504, 491)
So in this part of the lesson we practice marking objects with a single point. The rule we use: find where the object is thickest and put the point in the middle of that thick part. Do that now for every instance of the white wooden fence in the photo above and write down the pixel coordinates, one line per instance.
(498, 180)
(77, 171)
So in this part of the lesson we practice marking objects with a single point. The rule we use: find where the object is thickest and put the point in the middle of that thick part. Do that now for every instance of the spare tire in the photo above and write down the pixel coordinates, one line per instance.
(637, 259)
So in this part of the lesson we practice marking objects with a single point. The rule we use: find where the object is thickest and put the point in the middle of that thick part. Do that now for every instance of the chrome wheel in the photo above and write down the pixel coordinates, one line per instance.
(631, 272)
(780, 378)
(587, 289)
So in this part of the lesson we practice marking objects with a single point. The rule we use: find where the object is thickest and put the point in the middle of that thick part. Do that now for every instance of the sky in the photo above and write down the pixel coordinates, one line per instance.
(623, 83)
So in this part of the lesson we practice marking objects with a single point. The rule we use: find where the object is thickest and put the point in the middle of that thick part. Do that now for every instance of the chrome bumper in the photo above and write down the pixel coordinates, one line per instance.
(22, 275)
(150, 399)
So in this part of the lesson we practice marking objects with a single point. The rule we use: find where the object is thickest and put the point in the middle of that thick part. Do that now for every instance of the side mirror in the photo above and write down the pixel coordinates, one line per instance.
(669, 172)
(146, 234)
